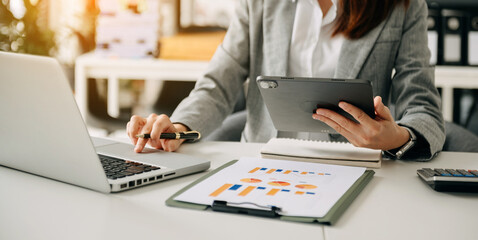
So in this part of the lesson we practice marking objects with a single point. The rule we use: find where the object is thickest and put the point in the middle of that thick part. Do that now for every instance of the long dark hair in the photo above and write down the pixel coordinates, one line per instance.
(360, 16)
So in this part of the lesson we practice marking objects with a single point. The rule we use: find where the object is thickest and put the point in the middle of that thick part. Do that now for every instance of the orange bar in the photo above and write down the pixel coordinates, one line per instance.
(254, 170)
(303, 173)
(299, 193)
(220, 190)
(273, 192)
(271, 171)
(287, 172)
(247, 191)
(321, 174)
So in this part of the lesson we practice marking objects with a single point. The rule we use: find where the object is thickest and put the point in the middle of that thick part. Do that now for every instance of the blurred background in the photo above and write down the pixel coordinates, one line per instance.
(125, 57)
(99, 38)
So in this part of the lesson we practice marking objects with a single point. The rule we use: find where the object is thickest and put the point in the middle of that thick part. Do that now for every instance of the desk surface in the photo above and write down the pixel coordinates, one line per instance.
(395, 205)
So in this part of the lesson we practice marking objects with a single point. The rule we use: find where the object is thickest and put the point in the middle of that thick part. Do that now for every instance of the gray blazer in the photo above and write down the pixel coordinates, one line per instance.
(257, 43)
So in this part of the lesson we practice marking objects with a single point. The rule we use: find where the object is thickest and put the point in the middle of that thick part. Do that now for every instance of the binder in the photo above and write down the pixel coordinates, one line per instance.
(330, 218)
(434, 27)
(454, 40)
(473, 39)
(464, 4)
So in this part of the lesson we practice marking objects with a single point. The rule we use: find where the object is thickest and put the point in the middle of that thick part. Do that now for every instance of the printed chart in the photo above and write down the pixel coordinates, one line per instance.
(297, 188)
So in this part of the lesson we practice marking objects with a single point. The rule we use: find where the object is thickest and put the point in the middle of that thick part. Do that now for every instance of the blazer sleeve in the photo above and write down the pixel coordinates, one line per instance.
(417, 101)
(216, 92)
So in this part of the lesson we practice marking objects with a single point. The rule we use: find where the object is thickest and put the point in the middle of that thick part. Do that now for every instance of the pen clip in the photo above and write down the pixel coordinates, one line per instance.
(193, 132)
(222, 206)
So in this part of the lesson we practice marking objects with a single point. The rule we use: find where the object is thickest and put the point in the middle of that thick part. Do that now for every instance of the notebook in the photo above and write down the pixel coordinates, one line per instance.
(42, 132)
(339, 153)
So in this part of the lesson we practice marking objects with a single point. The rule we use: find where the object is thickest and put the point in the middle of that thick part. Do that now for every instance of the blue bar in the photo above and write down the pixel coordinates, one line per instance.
(295, 171)
(311, 172)
(327, 174)
(279, 170)
(261, 188)
(285, 190)
(235, 187)
(311, 193)
(262, 169)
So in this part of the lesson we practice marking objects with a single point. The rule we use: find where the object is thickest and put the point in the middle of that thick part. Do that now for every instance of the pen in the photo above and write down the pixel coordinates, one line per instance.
(176, 135)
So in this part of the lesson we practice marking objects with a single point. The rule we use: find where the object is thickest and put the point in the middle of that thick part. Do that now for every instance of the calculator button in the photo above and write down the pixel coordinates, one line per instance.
(474, 172)
(430, 172)
(454, 172)
(442, 172)
(465, 173)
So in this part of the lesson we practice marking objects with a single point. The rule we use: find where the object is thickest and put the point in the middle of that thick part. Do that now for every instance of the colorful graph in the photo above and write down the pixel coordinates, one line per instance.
(306, 186)
(283, 171)
(220, 190)
(273, 192)
(279, 183)
(245, 190)
(254, 170)
(235, 187)
(251, 180)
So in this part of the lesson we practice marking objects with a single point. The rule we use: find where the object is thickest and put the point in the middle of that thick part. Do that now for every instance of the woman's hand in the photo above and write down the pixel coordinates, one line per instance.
(154, 125)
(379, 133)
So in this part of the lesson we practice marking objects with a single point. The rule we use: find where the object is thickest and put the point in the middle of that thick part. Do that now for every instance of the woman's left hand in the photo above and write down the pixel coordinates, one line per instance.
(379, 133)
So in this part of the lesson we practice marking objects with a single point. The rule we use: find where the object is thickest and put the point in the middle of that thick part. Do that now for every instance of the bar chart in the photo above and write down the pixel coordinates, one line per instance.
(284, 171)
(244, 190)
(297, 188)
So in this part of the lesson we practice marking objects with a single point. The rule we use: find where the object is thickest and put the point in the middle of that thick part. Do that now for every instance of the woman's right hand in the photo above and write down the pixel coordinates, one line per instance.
(154, 125)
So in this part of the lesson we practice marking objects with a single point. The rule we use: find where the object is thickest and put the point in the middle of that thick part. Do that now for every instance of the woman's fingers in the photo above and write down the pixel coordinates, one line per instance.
(339, 123)
(134, 127)
(141, 143)
(153, 125)
(357, 113)
(381, 110)
(162, 124)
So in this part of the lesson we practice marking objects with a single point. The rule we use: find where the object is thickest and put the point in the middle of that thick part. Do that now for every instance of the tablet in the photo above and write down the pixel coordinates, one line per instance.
(291, 101)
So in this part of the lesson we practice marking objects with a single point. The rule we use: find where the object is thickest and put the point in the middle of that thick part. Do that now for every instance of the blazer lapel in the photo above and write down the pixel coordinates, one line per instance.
(354, 53)
(278, 20)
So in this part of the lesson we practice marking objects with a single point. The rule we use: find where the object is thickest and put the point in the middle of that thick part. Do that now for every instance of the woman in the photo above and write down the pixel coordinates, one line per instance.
(366, 39)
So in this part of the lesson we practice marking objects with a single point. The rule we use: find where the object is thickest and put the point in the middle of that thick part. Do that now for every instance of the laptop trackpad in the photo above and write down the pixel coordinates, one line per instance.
(150, 156)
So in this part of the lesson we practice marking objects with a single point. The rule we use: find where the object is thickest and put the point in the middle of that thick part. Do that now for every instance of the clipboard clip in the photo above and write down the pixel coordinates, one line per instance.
(267, 211)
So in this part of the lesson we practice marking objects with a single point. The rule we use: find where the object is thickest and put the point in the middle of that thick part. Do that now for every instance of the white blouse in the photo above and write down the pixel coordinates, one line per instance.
(313, 51)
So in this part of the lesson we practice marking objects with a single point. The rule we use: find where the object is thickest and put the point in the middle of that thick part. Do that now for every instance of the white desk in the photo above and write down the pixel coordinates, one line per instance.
(91, 66)
(395, 205)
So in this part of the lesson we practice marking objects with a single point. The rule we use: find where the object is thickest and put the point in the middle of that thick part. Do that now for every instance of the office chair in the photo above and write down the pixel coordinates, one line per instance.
(459, 139)
(472, 118)
(97, 114)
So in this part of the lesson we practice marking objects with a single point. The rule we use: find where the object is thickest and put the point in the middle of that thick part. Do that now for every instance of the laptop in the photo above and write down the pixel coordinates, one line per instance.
(42, 132)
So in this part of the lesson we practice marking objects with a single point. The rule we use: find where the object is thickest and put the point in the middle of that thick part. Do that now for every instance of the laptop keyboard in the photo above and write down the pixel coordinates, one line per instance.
(119, 168)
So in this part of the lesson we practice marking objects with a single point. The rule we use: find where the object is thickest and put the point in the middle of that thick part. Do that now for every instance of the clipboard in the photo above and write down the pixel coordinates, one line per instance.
(330, 218)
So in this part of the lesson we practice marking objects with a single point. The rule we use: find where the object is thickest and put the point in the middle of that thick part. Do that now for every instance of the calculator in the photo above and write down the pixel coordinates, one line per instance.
(450, 180)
